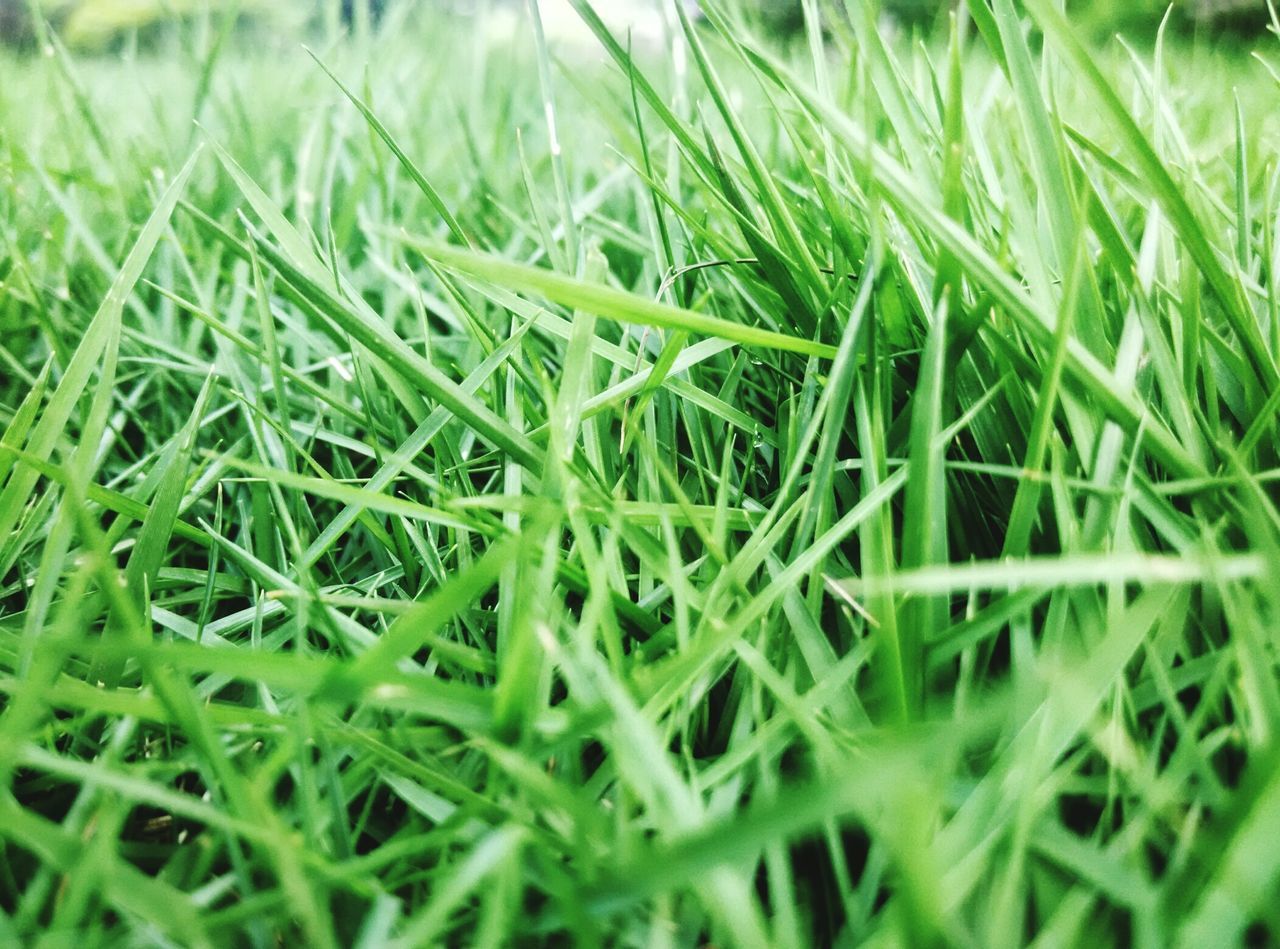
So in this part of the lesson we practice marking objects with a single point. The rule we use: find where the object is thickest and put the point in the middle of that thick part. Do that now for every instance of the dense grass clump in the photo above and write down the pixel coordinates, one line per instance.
(484, 489)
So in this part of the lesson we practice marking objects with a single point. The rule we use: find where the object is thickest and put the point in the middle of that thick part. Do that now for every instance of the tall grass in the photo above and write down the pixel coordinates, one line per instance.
(471, 489)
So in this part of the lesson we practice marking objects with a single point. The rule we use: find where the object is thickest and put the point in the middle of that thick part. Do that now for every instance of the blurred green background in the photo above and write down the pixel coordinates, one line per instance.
(95, 23)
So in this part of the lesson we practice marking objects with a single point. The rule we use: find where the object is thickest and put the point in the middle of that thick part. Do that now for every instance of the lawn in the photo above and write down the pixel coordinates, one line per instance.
(467, 484)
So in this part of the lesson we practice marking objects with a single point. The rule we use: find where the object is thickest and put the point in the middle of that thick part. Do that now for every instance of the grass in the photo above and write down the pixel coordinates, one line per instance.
(498, 490)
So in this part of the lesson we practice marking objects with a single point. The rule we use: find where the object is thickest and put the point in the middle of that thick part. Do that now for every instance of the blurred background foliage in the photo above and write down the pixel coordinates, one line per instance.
(96, 23)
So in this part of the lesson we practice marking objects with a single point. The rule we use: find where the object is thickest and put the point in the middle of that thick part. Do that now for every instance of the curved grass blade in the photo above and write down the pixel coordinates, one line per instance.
(612, 304)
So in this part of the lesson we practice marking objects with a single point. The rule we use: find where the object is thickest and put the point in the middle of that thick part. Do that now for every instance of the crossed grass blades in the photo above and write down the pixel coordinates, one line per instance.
(723, 495)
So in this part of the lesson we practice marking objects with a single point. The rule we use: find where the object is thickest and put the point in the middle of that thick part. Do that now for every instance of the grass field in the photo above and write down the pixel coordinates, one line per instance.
(498, 492)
